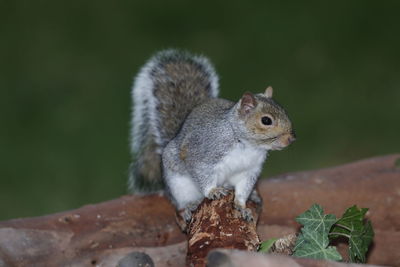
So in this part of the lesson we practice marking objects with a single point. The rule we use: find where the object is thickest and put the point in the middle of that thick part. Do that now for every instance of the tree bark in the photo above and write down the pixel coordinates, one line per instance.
(216, 224)
(103, 234)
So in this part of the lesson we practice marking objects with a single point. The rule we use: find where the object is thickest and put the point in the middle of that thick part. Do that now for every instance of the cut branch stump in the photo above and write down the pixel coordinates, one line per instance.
(216, 224)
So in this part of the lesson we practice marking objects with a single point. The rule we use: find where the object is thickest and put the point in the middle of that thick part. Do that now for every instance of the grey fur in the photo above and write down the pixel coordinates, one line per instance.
(205, 145)
(205, 138)
(166, 89)
(201, 160)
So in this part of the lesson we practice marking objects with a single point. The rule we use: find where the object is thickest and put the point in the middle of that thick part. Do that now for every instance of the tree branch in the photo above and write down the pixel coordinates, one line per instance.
(104, 233)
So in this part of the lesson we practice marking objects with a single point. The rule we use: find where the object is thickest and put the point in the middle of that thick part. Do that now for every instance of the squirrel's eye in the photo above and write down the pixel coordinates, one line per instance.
(266, 120)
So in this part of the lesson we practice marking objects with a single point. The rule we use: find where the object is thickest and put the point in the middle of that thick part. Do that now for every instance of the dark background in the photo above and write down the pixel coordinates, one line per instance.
(66, 69)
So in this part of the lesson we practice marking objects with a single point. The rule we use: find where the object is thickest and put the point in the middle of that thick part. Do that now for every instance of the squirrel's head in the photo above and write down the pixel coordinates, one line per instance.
(265, 121)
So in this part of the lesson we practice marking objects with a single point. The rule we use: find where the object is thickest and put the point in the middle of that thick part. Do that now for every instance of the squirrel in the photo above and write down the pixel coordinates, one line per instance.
(195, 144)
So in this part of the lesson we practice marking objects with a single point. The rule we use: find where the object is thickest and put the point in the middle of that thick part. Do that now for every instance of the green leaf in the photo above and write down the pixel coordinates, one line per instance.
(315, 220)
(359, 242)
(266, 245)
(299, 241)
(360, 234)
(315, 245)
(351, 220)
(313, 242)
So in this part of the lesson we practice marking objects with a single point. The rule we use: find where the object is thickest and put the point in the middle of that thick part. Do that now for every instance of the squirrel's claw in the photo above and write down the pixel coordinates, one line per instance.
(187, 215)
(255, 197)
(192, 206)
(245, 213)
(189, 209)
(217, 193)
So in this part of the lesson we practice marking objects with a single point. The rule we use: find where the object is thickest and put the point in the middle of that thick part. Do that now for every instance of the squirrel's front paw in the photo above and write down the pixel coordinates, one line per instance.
(189, 209)
(255, 197)
(187, 215)
(217, 193)
(245, 213)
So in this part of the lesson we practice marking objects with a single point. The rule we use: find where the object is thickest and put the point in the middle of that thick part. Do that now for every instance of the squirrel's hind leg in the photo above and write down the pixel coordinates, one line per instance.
(180, 185)
(182, 189)
(184, 194)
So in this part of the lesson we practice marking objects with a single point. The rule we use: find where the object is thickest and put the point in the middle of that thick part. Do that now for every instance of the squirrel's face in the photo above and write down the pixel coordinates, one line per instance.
(265, 121)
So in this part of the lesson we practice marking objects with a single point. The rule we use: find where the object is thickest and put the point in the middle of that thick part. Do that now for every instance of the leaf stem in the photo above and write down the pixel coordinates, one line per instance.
(341, 234)
(343, 226)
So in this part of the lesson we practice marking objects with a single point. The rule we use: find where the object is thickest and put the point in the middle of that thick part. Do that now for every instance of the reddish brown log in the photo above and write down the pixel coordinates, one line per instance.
(216, 224)
(104, 233)
(236, 258)
(373, 183)
(94, 235)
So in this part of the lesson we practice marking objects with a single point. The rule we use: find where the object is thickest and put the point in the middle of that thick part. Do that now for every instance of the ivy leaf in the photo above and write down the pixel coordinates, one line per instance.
(315, 245)
(360, 235)
(314, 219)
(299, 241)
(266, 245)
(359, 242)
(353, 215)
(313, 242)
(351, 220)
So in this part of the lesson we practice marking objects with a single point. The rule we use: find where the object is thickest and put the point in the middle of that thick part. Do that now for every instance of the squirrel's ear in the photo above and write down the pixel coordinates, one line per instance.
(268, 92)
(247, 103)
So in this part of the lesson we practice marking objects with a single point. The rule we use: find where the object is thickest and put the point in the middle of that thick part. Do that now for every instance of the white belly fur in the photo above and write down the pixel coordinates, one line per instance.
(244, 159)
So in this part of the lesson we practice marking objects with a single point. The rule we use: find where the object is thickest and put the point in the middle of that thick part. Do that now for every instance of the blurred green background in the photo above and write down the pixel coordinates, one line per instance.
(66, 69)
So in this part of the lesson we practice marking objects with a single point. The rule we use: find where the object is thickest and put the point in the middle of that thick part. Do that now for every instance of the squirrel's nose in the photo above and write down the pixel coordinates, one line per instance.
(291, 138)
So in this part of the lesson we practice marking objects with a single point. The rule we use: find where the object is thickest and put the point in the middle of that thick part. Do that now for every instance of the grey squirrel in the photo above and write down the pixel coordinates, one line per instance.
(201, 145)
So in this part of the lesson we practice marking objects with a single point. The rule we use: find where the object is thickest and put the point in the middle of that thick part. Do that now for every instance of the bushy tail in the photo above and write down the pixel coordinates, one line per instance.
(166, 89)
